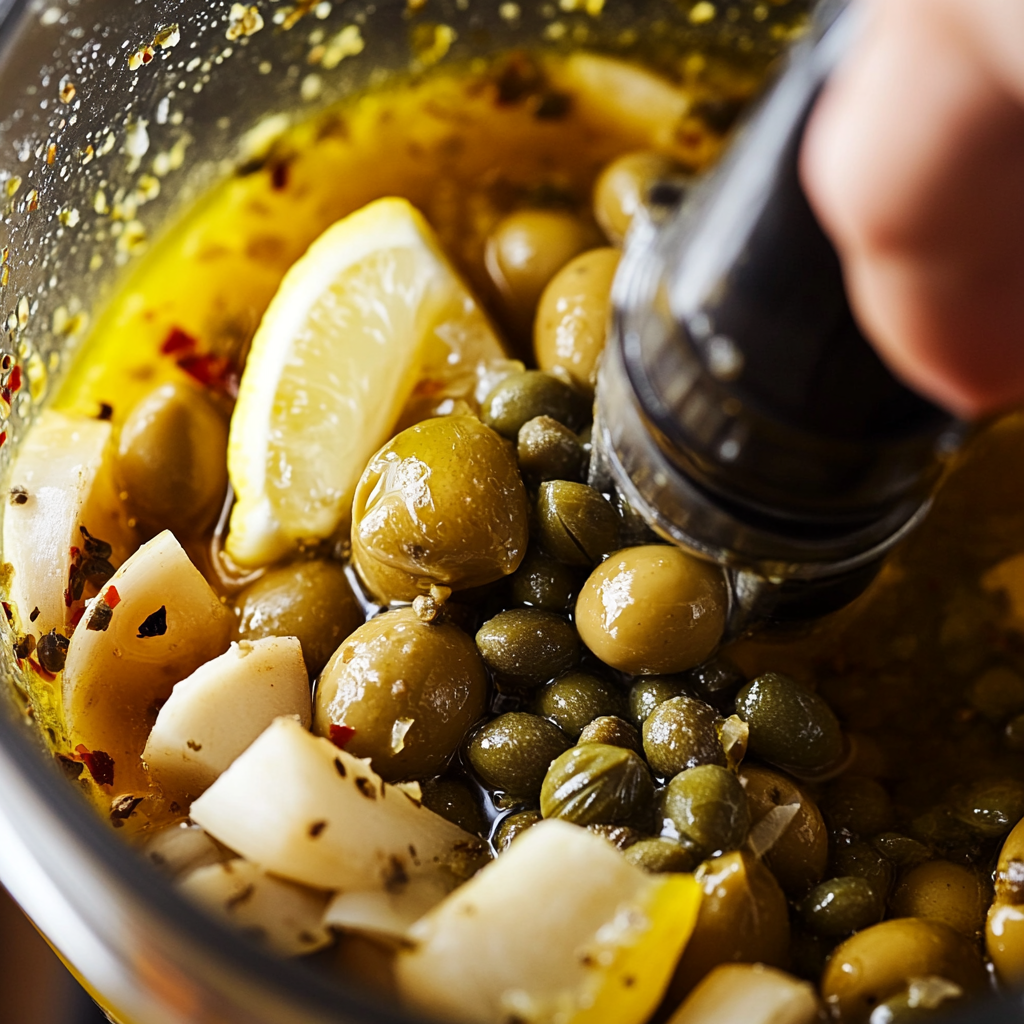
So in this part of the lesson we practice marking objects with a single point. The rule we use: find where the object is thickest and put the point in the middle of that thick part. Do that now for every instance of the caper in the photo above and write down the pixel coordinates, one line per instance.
(311, 600)
(858, 806)
(514, 751)
(521, 397)
(939, 828)
(708, 807)
(408, 689)
(572, 317)
(597, 784)
(52, 651)
(623, 187)
(998, 693)
(789, 726)
(616, 732)
(900, 850)
(575, 700)
(575, 523)
(809, 952)
(715, 681)
(512, 826)
(648, 692)
(172, 460)
(548, 451)
(862, 860)
(527, 646)
(622, 837)
(840, 906)
(682, 733)
(543, 582)
(943, 891)
(455, 800)
(991, 808)
(661, 855)
(441, 503)
(652, 609)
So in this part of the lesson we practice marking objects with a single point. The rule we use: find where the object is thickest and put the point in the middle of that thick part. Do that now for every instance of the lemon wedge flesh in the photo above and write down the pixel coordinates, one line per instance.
(371, 315)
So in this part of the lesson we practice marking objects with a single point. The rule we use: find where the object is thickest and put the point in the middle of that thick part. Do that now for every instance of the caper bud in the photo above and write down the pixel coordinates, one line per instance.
(682, 733)
(900, 850)
(455, 800)
(716, 681)
(789, 726)
(513, 752)
(575, 523)
(548, 451)
(527, 646)
(998, 693)
(623, 187)
(661, 855)
(616, 732)
(512, 826)
(311, 600)
(943, 891)
(648, 692)
(521, 397)
(857, 805)
(172, 460)
(52, 651)
(708, 807)
(622, 837)
(863, 860)
(991, 808)
(575, 700)
(840, 906)
(597, 784)
(543, 582)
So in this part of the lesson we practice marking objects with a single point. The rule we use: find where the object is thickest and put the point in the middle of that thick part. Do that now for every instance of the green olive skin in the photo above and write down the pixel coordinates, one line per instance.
(614, 731)
(546, 450)
(708, 807)
(909, 1008)
(543, 582)
(659, 855)
(172, 461)
(862, 860)
(901, 850)
(840, 906)
(442, 503)
(648, 692)
(991, 808)
(411, 690)
(789, 726)
(521, 397)
(513, 752)
(942, 891)
(622, 189)
(857, 805)
(311, 600)
(597, 784)
(682, 733)
(455, 800)
(652, 609)
(576, 524)
(572, 317)
(574, 701)
(525, 647)
(512, 826)
(715, 681)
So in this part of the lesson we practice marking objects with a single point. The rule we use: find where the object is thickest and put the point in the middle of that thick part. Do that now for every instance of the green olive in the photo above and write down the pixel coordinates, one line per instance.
(648, 692)
(942, 891)
(442, 503)
(513, 752)
(172, 460)
(991, 808)
(787, 829)
(858, 806)
(1014, 733)
(840, 906)
(572, 317)
(623, 187)
(789, 726)
(455, 800)
(526, 646)
(614, 731)
(660, 855)
(923, 1000)
(809, 952)
(862, 860)
(1010, 868)
(513, 826)
(622, 837)
(597, 784)
(998, 694)
(708, 807)
(409, 689)
(521, 397)
(576, 524)
(546, 450)
(875, 964)
(543, 582)
(652, 609)
(311, 600)
(1004, 943)
(575, 700)
(682, 733)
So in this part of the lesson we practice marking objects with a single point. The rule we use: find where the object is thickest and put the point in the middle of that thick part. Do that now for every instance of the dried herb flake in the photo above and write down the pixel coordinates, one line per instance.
(155, 624)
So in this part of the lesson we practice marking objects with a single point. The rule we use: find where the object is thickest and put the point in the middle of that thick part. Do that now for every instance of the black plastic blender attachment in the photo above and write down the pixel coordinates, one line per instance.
(740, 410)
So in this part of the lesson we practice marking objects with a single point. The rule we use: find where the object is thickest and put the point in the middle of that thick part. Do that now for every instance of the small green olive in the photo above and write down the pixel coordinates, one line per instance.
(521, 397)
(597, 784)
(648, 692)
(998, 693)
(789, 726)
(622, 837)
(942, 891)
(682, 733)
(512, 826)
(576, 524)
(455, 800)
(992, 807)
(1010, 868)
(513, 752)
(840, 906)
(622, 190)
(408, 689)
(708, 807)
(616, 732)
(857, 806)
(652, 609)
(441, 503)
(543, 582)
(660, 855)
(526, 646)
(574, 701)
(549, 451)
(172, 460)
(311, 600)
(923, 1000)
(862, 860)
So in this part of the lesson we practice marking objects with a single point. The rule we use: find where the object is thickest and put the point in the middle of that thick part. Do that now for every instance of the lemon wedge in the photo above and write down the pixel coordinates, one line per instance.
(370, 320)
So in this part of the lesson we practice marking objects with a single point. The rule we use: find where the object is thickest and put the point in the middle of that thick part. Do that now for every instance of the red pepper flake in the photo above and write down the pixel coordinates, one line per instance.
(5, 394)
(77, 617)
(178, 341)
(14, 381)
(99, 764)
(112, 597)
(40, 671)
(341, 734)
(214, 372)
(3, 437)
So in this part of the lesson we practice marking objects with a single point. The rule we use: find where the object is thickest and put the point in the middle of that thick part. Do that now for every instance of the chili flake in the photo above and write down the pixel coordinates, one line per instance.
(155, 624)
(112, 597)
(341, 734)
(14, 381)
(99, 764)
(178, 341)
(40, 671)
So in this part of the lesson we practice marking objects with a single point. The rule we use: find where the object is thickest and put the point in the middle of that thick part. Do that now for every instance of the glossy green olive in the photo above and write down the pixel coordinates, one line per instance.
(441, 503)
(526, 646)
(521, 397)
(576, 524)
(857, 806)
(546, 450)
(840, 906)
(622, 190)
(998, 693)
(597, 784)
(660, 855)
(543, 582)
(572, 317)
(455, 800)
(614, 731)
(923, 1001)
(789, 726)
(648, 692)
(172, 461)
(991, 808)
(862, 860)
(942, 891)
(410, 690)
(513, 826)
(1009, 878)
(1004, 943)
(901, 850)
(652, 609)
(682, 733)
(574, 701)
(514, 751)
(311, 600)
(708, 807)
